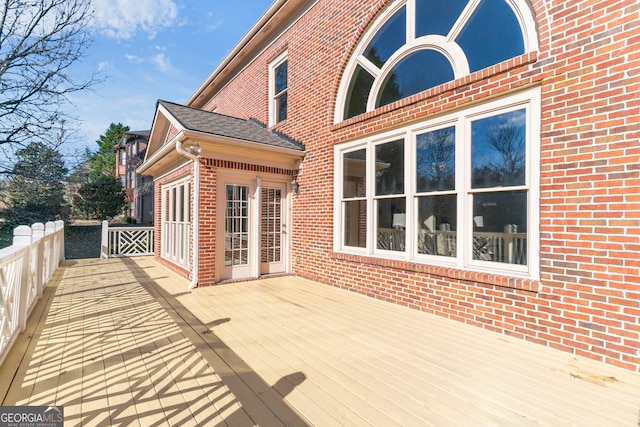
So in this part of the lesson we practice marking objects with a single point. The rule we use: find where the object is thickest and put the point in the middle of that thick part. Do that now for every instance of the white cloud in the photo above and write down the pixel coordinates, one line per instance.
(105, 65)
(133, 58)
(122, 19)
(162, 63)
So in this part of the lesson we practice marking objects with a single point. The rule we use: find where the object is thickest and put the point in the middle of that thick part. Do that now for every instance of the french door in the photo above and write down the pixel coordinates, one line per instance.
(253, 228)
(272, 229)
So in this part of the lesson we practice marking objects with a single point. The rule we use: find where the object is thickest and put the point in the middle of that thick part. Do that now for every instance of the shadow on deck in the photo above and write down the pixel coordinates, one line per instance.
(114, 348)
(121, 342)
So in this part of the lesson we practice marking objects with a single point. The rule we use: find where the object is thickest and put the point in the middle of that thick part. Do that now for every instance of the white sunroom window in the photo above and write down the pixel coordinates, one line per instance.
(176, 221)
(460, 190)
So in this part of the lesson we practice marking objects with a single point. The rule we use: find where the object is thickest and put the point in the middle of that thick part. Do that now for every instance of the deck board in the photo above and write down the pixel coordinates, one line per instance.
(121, 342)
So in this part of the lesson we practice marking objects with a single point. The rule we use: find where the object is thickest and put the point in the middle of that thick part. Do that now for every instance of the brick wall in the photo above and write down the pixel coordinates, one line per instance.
(587, 65)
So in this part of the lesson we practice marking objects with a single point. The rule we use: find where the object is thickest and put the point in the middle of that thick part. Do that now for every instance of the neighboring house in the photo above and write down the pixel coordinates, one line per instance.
(130, 152)
(474, 159)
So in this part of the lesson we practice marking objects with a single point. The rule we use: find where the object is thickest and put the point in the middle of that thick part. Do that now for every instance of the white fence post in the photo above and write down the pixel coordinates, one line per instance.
(37, 236)
(22, 237)
(104, 245)
(60, 226)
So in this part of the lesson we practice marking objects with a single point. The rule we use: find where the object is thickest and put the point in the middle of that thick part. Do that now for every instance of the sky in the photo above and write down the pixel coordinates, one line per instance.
(147, 50)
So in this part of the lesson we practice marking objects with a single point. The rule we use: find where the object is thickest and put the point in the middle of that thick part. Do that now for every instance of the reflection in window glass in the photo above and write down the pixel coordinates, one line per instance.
(419, 71)
(174, 215)
(188, 202)
(437, 225)
(491, 36)
(500, 227)
(391, 231)
(498, 151)
(390, 168)
(180, 203)
(355, 223)
(358, 93)
(237, 226)
(281, 107)
(390, 38)
(437, 16)
(280, 82)
(435, 160)
(354, 169)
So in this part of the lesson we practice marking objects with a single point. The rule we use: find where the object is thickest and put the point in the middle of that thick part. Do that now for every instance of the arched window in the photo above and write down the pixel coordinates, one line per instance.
(420, 44)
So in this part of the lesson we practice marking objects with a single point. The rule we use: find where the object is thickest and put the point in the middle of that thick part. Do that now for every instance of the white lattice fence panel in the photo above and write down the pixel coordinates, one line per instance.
(125, 241)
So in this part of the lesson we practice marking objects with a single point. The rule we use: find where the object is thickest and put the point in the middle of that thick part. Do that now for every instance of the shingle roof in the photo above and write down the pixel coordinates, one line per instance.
(139, 132)
(203, 121)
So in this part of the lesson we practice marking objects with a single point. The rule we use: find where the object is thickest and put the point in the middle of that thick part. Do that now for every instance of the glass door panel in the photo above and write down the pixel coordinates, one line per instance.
(272, 230)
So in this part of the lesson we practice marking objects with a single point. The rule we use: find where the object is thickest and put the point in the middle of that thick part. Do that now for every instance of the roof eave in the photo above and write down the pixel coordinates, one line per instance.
(257, 35)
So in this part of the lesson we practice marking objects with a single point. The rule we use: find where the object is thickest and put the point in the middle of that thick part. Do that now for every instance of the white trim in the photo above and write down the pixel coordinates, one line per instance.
(445, 45)
(449, 49)
(462, 20)
(529, 100)
(173, 230)
(273, 97)
(255, 182)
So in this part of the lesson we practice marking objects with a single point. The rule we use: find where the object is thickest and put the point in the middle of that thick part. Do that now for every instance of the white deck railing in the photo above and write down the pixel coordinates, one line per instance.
(508, 247)
(126, 241)
(25, 268)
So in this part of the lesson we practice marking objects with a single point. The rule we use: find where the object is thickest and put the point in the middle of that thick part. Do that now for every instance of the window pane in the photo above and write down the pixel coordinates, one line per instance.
(419, 71)
(281, 107)
(354, 170)
(180, 203)
(436, 160)
(281, 77)
(390, 168)
(500, 227)
(355, 223)
(390, 38)
(437, 225)
(491, 35)
(391, 224)
(188, 203)
(236, 226)
(437, 16)
(498, 150)
(173, 205)
(359, 89)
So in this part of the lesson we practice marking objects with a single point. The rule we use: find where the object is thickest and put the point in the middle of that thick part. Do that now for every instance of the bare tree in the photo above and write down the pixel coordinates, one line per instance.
(508, 139)
(39, 42)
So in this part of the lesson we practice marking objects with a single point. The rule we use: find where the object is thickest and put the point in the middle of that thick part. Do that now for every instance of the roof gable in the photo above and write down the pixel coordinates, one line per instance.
(197, 120)
(219, 136)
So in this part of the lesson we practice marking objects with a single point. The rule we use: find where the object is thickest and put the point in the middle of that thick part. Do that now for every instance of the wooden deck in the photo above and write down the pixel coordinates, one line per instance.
(121, 342)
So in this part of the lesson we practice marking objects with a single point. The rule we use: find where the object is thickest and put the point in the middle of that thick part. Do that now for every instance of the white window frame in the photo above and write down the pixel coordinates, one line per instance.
(530, 101)
(176, 222)
(273, 96)
(443, 44)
